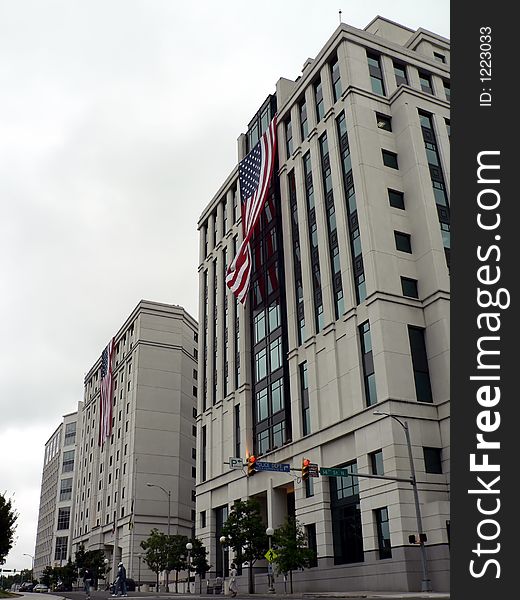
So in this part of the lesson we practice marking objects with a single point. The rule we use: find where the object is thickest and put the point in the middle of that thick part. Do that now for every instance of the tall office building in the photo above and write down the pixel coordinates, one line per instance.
(347, 314)
(55, 518)
(143, 476)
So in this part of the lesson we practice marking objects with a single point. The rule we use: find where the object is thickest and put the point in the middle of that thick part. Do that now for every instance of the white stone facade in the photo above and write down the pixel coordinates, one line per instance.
(342, 427)
(152, 442)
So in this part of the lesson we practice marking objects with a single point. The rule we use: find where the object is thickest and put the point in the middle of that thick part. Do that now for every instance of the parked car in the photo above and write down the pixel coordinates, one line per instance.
(26, 586)
(40, 587)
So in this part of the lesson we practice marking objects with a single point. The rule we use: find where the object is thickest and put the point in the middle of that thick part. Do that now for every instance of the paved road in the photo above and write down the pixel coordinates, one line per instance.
(296, 596)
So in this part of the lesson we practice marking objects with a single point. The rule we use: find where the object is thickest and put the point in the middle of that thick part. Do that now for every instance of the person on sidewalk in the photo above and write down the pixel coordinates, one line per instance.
(87, 582)
(233, 589)
(120, 582)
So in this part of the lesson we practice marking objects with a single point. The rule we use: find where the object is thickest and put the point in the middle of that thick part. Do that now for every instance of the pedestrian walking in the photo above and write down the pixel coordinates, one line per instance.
(87, 582)
(120, 582)
(233, 580)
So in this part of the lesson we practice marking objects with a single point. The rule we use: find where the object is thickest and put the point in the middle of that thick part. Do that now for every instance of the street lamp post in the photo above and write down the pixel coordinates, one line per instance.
(223, 540)
(169, 494)
(32, 568)
(189, 547)
(139, 556)
(426, 584)
(270, 532)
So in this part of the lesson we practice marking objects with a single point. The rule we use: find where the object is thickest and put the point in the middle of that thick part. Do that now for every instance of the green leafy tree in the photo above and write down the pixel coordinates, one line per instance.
(176, 553)
(246, 533)
(156, 553)
(94, 561)
(292, 552)
(47, 576)
(8, 518)
(199, 562)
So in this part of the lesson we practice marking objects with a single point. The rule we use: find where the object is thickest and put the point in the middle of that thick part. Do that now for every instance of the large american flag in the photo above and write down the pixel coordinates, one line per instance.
(105, 404)
(254, 175)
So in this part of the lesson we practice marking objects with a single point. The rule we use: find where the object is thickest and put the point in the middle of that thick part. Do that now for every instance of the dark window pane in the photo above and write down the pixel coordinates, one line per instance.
(390, 159)
(403, 242)
(396, 199)
(432, 460)
(409, 287)
(384, 122)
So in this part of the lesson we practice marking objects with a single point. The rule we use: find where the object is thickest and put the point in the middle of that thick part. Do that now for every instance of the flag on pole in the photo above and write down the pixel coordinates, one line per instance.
(105, 399)
(254, 175)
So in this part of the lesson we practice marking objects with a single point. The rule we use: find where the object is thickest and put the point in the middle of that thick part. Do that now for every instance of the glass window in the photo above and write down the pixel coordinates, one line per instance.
(274, 317)
(277, 395)
(279, 435)
(336, 80)
(289, 138)
(261, 364)
(275, 351)
(376, 462)
(64, 518)
(368, 364)
(426, 82)
(383, 532)
(303, 120)
(403, 241)
(320, 108)
(259, 326)
(432, 460)
(262, 411)
(376, 75)
(384, 122)
(420, 364)
(66, 489)
(409, 287)
(396, 199)
(439, 57)
(447, 90)
(390, 159)
(60, 552)
(400, 74)
(68, 461)
(262, 442)
(70, 434)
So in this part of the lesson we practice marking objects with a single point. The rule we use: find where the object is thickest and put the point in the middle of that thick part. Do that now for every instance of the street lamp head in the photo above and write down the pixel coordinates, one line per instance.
(189, 546)
(150, 484)
(223, 539)
(269, 531)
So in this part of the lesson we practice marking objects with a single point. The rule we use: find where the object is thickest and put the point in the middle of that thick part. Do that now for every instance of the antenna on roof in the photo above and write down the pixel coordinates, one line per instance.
(340, 15)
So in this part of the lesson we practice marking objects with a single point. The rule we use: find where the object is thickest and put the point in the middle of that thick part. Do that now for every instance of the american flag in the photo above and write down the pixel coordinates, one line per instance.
(105, 412)
(254, 175)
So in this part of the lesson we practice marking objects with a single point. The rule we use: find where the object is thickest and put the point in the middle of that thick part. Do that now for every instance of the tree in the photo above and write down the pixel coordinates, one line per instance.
(156, 555)
(246, 533)
(292, 552)
(94, 561)
(199, 564)
(176, 555)
(8, 518)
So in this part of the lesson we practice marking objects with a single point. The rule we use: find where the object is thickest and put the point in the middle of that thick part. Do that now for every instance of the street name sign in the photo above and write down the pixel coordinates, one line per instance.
(269, 466)
(335, 472)
(235, 463)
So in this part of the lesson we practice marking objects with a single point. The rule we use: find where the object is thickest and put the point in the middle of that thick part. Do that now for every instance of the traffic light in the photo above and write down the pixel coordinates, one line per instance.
(305, 469)
(251, 465)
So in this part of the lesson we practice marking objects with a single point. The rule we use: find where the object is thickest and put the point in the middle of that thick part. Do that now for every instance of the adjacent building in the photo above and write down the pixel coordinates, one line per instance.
(143, 476)
(347, 314)
(55, 517)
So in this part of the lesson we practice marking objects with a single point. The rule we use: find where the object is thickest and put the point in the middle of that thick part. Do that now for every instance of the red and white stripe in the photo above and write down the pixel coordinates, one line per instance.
(239, 272)
(106, 386)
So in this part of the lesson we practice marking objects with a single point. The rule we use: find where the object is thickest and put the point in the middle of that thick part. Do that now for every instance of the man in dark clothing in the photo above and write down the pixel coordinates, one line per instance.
(120, 583)
(87, 582)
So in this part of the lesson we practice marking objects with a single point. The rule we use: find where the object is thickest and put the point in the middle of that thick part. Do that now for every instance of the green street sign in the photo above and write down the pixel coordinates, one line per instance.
(271, 555)
(335, 472)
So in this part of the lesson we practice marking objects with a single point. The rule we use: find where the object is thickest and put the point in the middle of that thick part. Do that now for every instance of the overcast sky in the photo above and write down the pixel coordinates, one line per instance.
(118, 123)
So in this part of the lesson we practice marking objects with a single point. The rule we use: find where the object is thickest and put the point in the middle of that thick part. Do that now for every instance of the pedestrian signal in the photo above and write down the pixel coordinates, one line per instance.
(251, 460)
(305, 469)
